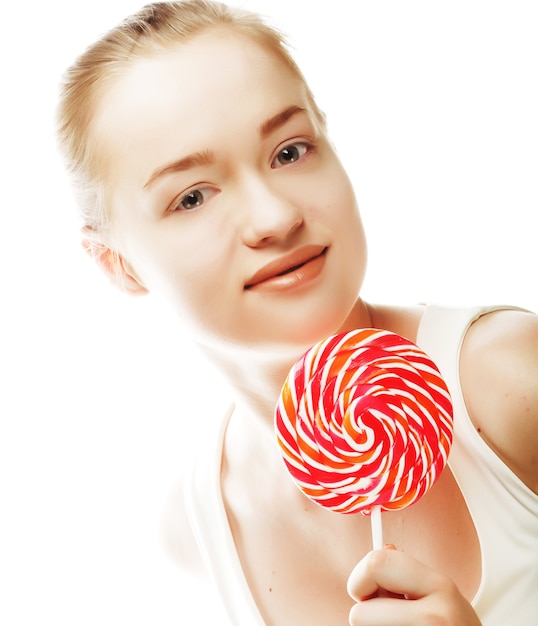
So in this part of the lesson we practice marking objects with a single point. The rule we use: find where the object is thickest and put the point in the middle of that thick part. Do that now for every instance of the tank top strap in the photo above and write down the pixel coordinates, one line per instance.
(209, 522)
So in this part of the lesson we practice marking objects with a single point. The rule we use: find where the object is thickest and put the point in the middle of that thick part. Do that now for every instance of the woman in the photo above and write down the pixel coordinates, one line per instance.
(206, 175)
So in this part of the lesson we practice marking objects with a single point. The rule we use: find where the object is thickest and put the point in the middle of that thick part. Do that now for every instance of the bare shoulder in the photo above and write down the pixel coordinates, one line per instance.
(177, 535)
(499, 375)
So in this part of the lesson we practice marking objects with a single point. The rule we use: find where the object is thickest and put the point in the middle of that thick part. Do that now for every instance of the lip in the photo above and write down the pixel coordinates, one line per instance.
(289, 271)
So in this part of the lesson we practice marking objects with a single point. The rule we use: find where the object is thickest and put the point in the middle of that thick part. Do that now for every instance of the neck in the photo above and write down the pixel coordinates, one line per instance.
(256, 376)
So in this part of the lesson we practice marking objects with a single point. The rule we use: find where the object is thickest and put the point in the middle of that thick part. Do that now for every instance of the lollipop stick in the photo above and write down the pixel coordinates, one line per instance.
(377, 528)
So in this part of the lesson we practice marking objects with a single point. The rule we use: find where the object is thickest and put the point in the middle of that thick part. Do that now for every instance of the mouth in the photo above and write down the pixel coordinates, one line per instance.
(290, 270)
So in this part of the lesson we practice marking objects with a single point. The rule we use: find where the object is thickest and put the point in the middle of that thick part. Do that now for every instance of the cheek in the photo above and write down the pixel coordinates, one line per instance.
(336, 201)
(185, 270)
(341, 214)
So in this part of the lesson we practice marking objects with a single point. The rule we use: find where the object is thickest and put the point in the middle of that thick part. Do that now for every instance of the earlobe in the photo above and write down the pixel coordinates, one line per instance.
(113, 265)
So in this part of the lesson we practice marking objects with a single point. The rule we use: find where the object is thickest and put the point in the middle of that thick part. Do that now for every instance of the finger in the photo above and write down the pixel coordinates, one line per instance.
(393, 571)
(376, 612)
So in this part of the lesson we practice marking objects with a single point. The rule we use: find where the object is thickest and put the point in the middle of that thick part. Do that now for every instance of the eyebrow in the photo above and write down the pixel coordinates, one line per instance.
(197, 159)
(206, 157)
(278, 120)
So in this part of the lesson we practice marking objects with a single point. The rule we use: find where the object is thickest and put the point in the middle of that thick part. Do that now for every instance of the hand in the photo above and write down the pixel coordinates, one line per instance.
(391, 588)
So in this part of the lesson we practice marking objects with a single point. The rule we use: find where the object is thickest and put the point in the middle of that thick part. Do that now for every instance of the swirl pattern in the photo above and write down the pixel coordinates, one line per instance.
(364, 419)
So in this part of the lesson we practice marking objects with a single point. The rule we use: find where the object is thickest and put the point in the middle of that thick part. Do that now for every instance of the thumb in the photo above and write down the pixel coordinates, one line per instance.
(365, 579)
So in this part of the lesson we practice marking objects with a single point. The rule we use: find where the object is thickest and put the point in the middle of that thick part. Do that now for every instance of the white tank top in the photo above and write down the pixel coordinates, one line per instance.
(504, 510)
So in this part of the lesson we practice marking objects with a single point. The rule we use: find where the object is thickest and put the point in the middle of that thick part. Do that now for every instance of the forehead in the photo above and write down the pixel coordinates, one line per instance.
(192, 94)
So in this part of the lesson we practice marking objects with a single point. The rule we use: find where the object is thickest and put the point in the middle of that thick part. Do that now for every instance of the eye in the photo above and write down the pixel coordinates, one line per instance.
(290, 154)
(193, 199)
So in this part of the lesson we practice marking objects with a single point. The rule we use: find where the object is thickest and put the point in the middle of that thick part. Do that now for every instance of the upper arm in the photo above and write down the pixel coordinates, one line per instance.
(499, 374)
(178, 537)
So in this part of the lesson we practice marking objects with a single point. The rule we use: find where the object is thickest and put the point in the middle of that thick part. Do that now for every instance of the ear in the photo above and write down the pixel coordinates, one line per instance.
(112, 264)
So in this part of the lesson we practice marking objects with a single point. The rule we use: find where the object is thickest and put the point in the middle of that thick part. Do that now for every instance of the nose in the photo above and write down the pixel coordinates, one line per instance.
(269, 216)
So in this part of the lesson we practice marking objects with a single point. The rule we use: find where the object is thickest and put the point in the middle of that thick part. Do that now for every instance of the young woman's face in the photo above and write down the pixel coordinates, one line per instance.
(227, 197)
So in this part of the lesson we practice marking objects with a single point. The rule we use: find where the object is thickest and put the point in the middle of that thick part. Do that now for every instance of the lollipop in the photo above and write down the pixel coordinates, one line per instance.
(364, 423)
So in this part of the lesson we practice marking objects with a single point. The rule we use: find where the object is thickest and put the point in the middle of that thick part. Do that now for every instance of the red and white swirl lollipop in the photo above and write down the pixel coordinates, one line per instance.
(364, 422)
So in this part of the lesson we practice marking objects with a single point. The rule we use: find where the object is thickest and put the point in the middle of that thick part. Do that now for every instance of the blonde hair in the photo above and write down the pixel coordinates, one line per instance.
(156, 26)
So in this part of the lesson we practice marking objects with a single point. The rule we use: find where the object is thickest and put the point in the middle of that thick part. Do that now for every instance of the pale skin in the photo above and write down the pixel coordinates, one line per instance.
(210, 179)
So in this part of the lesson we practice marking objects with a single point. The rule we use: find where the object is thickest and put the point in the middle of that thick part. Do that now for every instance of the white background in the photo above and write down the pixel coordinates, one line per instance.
(432, 106)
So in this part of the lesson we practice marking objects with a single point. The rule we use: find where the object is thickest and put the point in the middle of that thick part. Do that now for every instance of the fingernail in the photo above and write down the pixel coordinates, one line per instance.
(389, 546)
